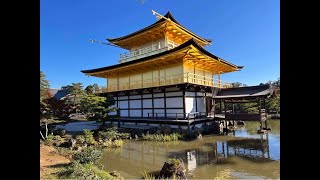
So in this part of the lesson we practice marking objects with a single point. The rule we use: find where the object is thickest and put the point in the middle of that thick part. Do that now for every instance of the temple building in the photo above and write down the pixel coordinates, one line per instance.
(166, 74)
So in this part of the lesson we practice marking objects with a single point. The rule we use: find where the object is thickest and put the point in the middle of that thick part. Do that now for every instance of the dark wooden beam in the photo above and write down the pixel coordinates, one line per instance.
(165, 103)
(141, 104)
(184, 103)
(152, 103)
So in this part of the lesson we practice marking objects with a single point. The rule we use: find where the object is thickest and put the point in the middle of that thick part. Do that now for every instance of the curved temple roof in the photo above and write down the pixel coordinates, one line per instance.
(245, 92)
(168, 15)
(184, 45)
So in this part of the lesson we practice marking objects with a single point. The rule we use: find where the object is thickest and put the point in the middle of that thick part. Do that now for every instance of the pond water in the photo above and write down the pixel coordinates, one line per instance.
(243, 154)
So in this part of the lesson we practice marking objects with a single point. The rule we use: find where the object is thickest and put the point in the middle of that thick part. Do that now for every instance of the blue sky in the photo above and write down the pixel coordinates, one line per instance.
(244, 32)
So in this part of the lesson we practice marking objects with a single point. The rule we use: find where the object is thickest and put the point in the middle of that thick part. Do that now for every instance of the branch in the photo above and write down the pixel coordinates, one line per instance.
(42, 136)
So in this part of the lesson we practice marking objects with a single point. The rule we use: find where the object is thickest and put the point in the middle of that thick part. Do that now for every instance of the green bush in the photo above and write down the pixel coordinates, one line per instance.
(124, 135)
(77, 170)
(88, 155)
(112, 134)
(107, 135)
(113, 144)
(80, 139)
(53, 140)
(61, 132)
(161, 137)
(86, 137)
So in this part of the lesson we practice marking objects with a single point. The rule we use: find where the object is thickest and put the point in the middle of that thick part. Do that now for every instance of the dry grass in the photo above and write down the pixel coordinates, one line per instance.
(49, 156)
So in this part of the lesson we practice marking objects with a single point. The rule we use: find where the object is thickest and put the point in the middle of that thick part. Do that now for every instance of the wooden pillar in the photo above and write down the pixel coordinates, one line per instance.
(128, 104)
(220, 106)
(118, 100)
(118, 114)
(232, 108)
(152, 98)
(141, 104)
(214, 107)
(195, 96)
(264, 106)
(225, 106)
(165, 103)
(205, 96)
(260, 114)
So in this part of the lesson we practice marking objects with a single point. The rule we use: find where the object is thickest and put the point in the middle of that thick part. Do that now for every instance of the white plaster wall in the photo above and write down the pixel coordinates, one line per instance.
(200, 93)
(201, 105)
(147, 96)
(161, 111)
(123, 97)
(147, 103)
(135, 97)
(190, 93)
(146, 111)
(158, 95)
(190, 104)
(135, 104)
(123, 112)
(158, 103)
(174, 102)
(168, 94)
(179, 111)
(135, 113)
(123, 104)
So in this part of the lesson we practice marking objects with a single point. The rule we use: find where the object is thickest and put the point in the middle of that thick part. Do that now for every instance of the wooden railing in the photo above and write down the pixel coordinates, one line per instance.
(167, 80)
(147, 51)
(178, 116)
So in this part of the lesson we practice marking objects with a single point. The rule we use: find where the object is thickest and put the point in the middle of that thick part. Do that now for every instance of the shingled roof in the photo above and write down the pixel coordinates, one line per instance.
(245, 92)
(168, 15)
(187, 43)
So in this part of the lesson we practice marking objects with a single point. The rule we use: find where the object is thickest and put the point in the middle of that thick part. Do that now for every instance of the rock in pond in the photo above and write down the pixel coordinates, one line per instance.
(174, 167)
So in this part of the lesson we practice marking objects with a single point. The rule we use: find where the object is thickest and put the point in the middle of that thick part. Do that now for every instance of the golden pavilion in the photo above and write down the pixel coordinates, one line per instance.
(165, 74)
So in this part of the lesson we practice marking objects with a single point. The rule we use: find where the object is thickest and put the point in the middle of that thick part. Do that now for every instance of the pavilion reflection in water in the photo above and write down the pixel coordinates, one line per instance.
(214, 153)
(248, 148)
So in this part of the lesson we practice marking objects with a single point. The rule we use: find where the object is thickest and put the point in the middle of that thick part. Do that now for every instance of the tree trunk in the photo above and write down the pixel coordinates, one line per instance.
(46, 130)
(42, 136)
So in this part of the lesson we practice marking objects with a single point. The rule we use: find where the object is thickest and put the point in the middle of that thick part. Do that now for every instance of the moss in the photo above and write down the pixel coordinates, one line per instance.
(175, 162)
(77, 170)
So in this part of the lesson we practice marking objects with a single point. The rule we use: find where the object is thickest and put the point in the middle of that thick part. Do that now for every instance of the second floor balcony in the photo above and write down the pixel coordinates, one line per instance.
(147, 51)
(167, 80)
